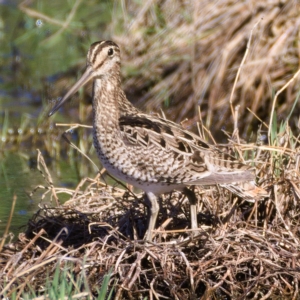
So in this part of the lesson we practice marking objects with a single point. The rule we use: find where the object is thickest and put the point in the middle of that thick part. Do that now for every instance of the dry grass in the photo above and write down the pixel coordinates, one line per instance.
(246, 250)
(181, 54)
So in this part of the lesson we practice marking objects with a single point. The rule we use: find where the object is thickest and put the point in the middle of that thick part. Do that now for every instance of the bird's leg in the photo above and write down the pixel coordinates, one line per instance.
(154, 208)
(193, 203)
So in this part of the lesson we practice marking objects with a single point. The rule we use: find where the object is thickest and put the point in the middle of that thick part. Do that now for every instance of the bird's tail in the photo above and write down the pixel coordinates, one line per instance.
(247, 190)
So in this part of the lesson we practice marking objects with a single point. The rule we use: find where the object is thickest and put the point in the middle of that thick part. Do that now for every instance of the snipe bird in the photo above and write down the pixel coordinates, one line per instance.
(146, 151)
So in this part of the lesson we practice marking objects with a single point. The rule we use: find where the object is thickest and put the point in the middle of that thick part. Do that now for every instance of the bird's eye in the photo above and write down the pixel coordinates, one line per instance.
(110, 51)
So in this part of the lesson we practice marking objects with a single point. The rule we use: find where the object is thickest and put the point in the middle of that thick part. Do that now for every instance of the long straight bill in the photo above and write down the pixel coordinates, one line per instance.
(87, 76)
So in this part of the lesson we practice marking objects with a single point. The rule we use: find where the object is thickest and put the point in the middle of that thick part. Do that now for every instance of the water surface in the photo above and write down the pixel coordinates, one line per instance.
(39, 60)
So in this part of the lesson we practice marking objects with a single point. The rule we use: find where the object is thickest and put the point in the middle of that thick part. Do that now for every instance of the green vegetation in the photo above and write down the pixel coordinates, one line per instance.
(63, 284)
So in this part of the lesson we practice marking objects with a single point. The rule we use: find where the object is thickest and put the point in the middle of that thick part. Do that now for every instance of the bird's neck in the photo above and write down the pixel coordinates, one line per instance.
(105, 102)
(110, 102)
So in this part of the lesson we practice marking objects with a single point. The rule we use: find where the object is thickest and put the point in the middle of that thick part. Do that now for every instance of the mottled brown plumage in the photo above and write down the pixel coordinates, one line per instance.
(149, 152)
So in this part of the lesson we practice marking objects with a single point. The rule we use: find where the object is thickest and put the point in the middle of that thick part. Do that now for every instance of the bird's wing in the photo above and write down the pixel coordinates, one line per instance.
(141, 130)
(205, 164)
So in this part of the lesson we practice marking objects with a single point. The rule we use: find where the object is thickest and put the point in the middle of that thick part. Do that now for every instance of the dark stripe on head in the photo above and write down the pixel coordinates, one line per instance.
(101, 63)
(97, 47)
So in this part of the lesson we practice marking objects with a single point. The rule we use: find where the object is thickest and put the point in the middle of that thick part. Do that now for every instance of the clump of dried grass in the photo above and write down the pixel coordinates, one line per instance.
(187, 54)
(246, 250)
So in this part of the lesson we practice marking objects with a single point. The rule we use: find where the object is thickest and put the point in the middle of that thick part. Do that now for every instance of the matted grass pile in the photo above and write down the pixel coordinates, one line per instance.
(245, 250)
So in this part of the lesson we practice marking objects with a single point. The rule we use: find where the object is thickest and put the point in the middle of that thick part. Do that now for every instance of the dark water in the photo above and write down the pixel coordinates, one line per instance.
(20, 178)
(39, 60)
(16, 180)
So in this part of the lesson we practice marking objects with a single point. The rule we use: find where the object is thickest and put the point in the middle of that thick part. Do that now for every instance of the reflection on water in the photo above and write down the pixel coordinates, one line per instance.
(19, 176)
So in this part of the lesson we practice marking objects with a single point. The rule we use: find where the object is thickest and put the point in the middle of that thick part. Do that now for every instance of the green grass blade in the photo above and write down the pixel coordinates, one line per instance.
(274, 129)
(293, 107)
(104, 287)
